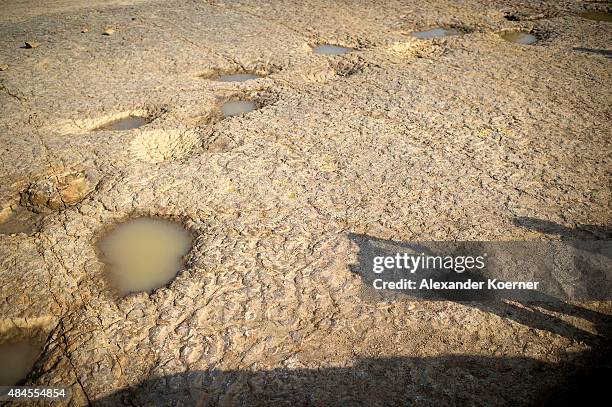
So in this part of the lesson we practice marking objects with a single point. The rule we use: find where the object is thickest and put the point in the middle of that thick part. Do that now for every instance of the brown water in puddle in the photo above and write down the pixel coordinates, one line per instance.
(327, 49)
(237, 77)
(435, 33)
(17, 360)
(145, 253)
(237, 107)
(596, 15)
(21, 220)
(519, 37)
(127, 123)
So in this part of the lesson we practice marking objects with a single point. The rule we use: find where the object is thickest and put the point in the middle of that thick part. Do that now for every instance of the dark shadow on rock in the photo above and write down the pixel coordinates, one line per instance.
(604, 52)
(453, 380)
(529, 312)
(581, 232)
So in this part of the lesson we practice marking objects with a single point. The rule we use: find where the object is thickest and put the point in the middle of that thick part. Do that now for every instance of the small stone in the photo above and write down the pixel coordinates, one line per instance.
(31, 44)
(3, 67)
(109, 31)
(54, 192)
(85, 30)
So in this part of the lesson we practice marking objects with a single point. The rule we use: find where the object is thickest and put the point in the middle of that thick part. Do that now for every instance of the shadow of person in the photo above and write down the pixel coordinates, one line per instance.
(580, 233)
(526, 309)
(449, 380)
(603, 52)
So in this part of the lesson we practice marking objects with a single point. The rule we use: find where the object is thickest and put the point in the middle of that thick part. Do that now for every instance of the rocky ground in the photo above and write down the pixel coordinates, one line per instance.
(402, 139)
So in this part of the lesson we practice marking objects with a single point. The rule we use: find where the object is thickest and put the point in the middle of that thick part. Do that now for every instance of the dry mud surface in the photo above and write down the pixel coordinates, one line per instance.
(460, 137)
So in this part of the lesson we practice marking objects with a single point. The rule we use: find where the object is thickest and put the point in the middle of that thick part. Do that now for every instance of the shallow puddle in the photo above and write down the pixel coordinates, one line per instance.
(237, 77)
(519, 37)
(435, 33)
(21, 220)
(327, 49)
(145, 253)
(596, 15)
(127, 123)
(17, 360)
(237, 107)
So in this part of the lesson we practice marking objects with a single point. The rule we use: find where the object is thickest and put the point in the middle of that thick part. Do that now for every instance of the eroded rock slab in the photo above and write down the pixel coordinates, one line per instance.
(402, 139)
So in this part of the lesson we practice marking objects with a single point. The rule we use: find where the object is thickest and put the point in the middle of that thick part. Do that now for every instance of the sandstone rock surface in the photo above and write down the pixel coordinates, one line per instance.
(452, 138)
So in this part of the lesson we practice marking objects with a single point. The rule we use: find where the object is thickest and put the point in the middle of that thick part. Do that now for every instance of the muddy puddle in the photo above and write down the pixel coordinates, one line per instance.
(17, 358)
(237, 77)
(126, 123)
(21, 220)
(237, 107)
(435, 33)
(328, 49)
(144, 254)
(519, 37)
(596, 15)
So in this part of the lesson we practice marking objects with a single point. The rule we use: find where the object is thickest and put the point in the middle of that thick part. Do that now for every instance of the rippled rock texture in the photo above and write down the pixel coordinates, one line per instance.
(402, 138)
